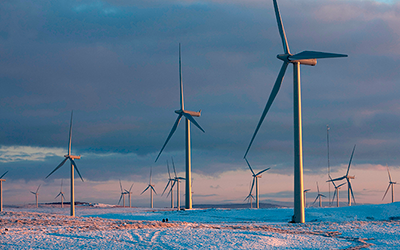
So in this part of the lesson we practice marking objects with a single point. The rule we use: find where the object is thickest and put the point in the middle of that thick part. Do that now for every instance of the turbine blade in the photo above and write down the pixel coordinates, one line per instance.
(166, 187)
(151, 170)
(281, 29)
(37, 190)
(59, 166)
(262, 171)
(57, 196)
(252, 185)
(131, 188)
(76, 168)
(173, 165)
(314, 55)
(386, 192)
(323, 195)
(248, 164)
(170, 134)
(32, 192)
(317, 187)
(120, 185)
(341, 184)
(271, 98)
(63, 196)
(169, 173)
(351, 158)
(338, 179)
(334, 194)
(120, 198)
(390, 177)
(352, 194)
(180, 79)
(70, 134)
(190, 118)
(4, 174)
(153, 189)
(145, 189)
(315, 199)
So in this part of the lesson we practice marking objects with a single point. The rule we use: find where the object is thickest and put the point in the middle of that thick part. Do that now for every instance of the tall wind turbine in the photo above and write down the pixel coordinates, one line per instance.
(129, 192)
(255, 178)
(36, 195)
(61, 193)
(306, 58)
(348, 178)
(319, 197)
(151, 190)
(71, 158)
(171, 182)
(189, 119)
(123, 193)
(391, 184)
(1, 190)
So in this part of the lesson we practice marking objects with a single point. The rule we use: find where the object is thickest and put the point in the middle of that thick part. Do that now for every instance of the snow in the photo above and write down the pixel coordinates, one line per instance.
(107, 227)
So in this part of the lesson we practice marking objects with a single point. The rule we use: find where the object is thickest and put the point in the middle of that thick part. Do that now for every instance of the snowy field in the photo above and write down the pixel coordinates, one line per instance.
(366, 226)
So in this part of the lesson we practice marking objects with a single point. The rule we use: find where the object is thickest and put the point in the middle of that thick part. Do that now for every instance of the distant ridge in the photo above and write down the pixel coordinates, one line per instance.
(236, 205)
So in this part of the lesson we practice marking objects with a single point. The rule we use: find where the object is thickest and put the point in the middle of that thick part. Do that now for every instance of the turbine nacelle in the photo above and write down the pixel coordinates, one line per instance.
(288, 58)
(73, 157)
(192, 113)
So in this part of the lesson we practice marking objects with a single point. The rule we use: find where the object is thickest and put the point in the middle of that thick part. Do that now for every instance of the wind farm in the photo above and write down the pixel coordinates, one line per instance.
(113, 68)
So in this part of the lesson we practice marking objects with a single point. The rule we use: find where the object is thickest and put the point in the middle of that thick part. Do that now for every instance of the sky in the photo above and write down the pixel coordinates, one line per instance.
(115, 64)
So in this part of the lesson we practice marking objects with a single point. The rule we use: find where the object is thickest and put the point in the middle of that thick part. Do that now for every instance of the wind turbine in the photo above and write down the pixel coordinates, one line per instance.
(305, 200)
(255, 177)
(319, 197)
(306, 58)
(1, 190)
(61, 194)
(336, 193)
(36, 195)
(151, 190)
(177, 181)
(129, 192)
(123, 193)
(171, 182)
(250, 198)
(189, 119)
(348, 178)
(391, 184)
(71, 158)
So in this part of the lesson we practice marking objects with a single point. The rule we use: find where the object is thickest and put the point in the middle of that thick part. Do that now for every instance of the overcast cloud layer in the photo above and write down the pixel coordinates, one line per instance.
(115, 63)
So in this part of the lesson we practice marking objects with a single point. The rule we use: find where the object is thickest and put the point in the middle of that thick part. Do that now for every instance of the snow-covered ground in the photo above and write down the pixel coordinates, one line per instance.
(49, 227)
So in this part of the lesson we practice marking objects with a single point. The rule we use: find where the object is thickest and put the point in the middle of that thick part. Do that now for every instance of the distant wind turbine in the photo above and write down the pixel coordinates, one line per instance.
(123, 193)
(250, 198)
(348, 178)
(391, 184)
(305, 58)
(61, 194)
(255, 178)
(129, 192)
(189, 119)
(71, 158)
(177, 181)
(36, 195)
(319, 197)
(305, 200)
(336, 193)
(151, 186)
(1, 190)
(170, 183)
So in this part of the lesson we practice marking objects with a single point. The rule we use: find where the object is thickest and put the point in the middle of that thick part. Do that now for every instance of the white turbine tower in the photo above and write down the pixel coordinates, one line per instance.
(123, 193)
(306, 58)
(348, 178)
(171, 182)
(71, 158)
(151, 190)
(1, 190)
(189, 119)
(391, 184)
(61, 193)
(36, 195)
(129, 192)
(319, 197)
(255, 178)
